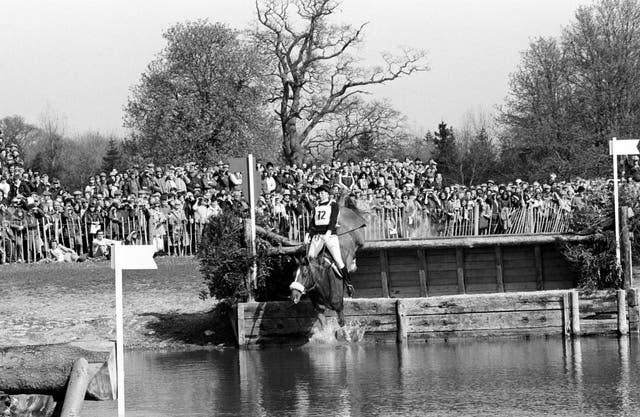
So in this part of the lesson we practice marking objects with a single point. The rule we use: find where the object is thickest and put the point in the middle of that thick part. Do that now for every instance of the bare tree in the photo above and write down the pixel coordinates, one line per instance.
(317, 76)
(360, 129)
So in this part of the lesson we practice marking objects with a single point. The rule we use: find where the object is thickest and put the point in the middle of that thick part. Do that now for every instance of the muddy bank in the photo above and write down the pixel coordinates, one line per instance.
(163, 309)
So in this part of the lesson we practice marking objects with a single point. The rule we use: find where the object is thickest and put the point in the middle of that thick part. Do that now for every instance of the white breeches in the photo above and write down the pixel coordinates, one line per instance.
(333, 245)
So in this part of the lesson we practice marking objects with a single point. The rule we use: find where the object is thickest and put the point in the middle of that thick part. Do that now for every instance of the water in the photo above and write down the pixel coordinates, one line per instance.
(501, 377)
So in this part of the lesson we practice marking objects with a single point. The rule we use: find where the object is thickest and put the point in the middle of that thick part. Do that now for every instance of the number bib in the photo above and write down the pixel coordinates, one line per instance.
(322, 215)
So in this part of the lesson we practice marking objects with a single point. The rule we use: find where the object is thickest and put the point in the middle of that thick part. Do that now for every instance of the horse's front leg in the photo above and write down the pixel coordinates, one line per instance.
(341, 321)
(321, 317)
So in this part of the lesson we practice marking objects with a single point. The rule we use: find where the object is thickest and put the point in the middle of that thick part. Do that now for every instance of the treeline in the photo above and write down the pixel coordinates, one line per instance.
(45, 148)
(291, 88)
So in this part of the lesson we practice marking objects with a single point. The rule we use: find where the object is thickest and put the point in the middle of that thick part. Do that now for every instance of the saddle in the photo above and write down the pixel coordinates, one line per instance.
(326, 256)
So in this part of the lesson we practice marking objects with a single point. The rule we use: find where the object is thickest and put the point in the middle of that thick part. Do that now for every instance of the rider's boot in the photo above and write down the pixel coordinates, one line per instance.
(347, 281)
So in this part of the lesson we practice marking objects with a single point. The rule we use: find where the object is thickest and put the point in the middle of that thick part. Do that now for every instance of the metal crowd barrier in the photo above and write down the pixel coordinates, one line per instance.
(32, 240)
(388, 224)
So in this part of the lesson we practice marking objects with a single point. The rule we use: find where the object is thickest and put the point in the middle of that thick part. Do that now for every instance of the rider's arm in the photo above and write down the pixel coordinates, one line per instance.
(333, 220)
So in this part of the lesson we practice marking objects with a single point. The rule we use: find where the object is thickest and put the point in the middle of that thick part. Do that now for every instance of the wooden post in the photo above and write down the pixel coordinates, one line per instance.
(401, 321)
(539, 273)
(499, 277)
(627, 268)
(422, 272)
(476, 220)
(384, 273)
(78, 382)
(634, 312)
(460, 269)
(566, 315)
(623, 326)
(240, 325)
(575, 313)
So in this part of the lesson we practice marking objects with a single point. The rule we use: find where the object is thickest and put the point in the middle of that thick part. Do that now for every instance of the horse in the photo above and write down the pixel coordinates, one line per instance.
(320, 278)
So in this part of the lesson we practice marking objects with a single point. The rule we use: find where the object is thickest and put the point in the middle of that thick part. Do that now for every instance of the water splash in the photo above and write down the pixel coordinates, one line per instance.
(332, 333)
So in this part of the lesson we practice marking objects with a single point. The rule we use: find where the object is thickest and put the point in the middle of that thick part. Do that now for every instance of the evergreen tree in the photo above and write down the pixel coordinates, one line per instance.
(446, 152)
(113, 158)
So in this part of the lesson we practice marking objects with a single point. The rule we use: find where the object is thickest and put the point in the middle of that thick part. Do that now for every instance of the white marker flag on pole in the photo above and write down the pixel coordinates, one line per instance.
(126, 257)
(620, 147)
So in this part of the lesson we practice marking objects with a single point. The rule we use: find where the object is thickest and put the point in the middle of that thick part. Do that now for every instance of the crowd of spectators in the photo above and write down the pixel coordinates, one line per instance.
(168, 205)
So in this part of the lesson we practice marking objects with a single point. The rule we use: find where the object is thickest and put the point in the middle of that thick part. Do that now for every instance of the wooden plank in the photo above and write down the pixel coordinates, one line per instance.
(486, 321)
(481, 288)
(519, 276)
(526, 264)
(520, 286)
(600, 295)
(483, 303)
(595, 306)
(292, 326)
(539, 276)
(368, 292)
(384, 273)
(558, 285)
(499, 277)
(404, 268)
(443, 290)
(402, 321)
(590, 327)
(488, 333)
(623, 326)
(460, 269)
(282, 309)
(422, 273)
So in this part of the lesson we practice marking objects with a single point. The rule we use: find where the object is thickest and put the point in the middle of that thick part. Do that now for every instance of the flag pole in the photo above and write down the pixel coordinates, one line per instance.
(616, 210)
(119, 328)
(252, 213)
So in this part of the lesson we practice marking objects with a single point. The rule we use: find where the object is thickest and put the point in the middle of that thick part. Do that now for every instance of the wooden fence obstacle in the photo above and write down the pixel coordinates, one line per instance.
(562, 312)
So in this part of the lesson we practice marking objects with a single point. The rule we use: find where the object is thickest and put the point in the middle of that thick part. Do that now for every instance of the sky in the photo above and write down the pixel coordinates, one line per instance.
(78, 59)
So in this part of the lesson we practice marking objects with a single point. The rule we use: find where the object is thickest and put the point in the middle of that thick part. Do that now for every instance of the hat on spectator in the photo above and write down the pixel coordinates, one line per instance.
(322, 187)
(77, 192)
(286, 192)
(113, 172)
(150, 165)
(432, 162)
(518, 181)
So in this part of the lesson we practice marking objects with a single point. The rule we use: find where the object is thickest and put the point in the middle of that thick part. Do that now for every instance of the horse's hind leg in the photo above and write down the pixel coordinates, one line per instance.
(341, 321)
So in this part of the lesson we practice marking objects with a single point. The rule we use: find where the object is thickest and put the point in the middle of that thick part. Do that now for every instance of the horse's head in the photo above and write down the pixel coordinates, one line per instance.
(303, 281)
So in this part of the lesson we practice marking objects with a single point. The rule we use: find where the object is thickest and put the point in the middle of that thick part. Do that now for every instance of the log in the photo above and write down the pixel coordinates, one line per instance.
(278, 238)
(462, 242)
(45, 369)
(76, 389)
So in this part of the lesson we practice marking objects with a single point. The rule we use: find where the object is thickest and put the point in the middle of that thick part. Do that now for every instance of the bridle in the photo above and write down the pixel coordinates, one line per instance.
(296, 285)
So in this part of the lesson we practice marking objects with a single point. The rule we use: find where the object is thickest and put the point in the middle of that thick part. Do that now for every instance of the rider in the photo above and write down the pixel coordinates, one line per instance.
(322, 232)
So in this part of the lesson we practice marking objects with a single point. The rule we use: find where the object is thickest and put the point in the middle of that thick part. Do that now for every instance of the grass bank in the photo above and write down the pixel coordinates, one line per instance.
(57, 303)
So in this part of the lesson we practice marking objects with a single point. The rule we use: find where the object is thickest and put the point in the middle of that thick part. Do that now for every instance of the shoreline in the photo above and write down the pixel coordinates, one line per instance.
(164, 309)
